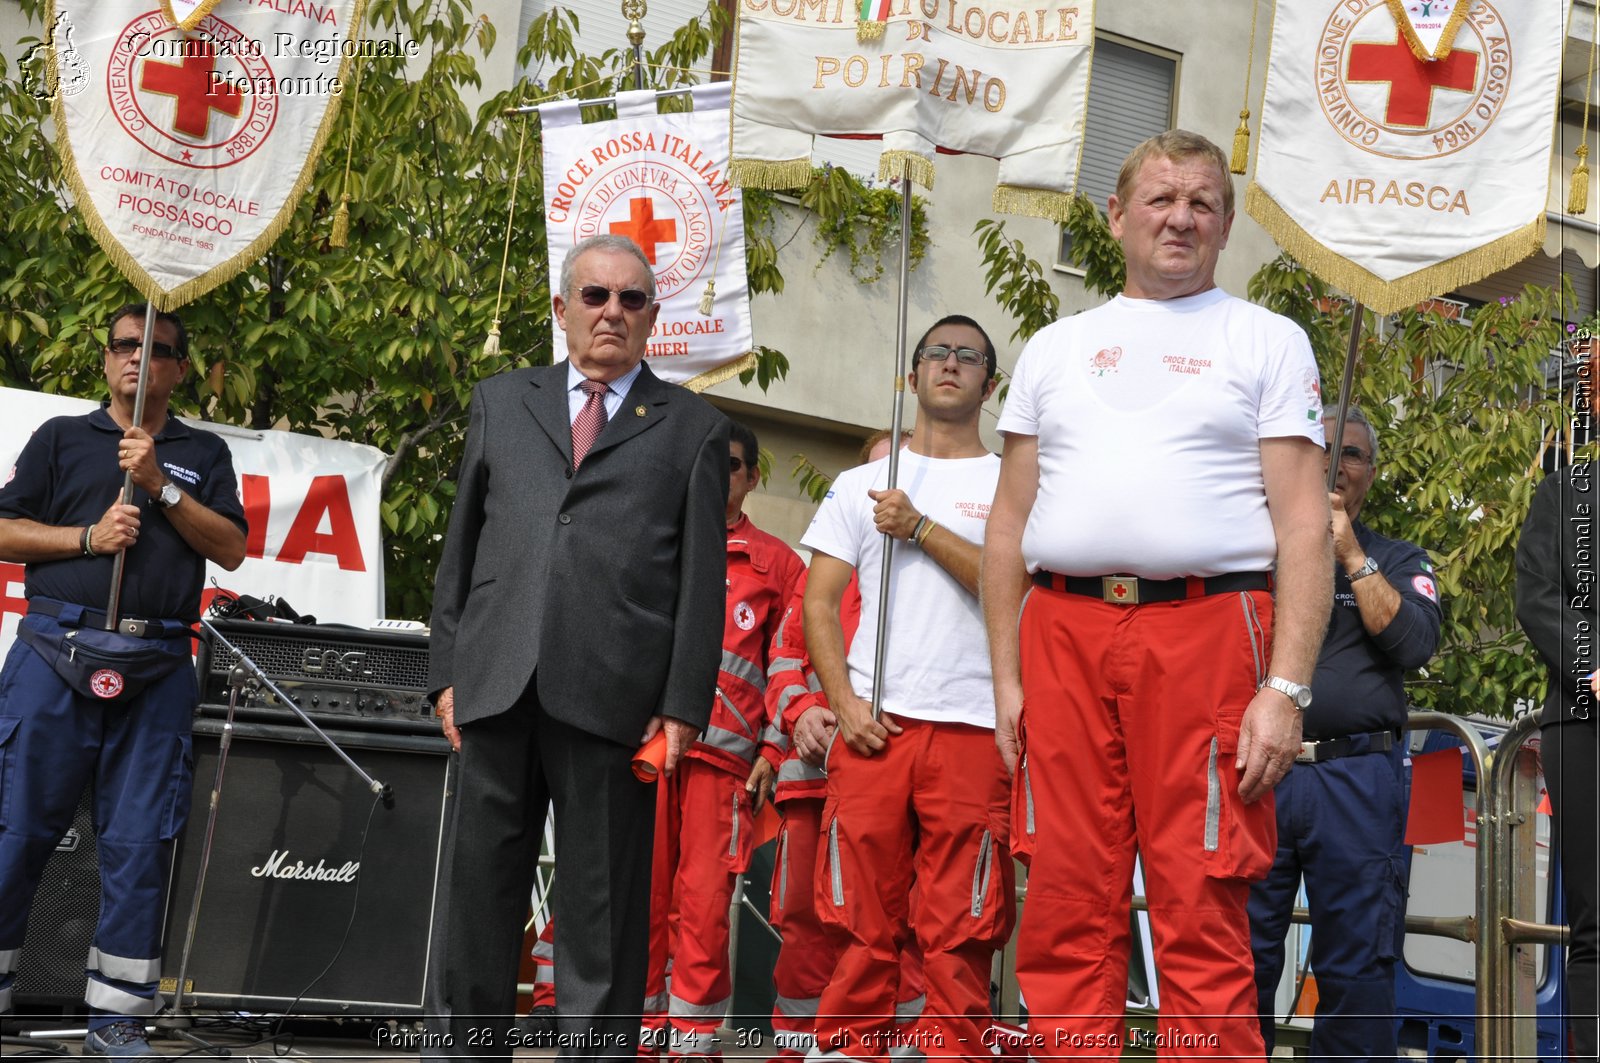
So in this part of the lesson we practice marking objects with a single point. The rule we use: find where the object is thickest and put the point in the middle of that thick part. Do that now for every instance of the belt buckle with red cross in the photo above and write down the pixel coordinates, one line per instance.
(1120, 590)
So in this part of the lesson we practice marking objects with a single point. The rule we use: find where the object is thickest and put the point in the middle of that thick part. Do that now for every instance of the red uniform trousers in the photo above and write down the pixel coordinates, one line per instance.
(1130, 727)
(704, 830)
(808, 955)
(544, 967)
(930, 811)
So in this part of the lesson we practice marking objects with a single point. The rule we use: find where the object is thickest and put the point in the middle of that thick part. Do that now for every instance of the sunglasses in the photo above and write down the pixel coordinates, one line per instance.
(735, 464)
(598, 295)
(125, 346)
(964, 355)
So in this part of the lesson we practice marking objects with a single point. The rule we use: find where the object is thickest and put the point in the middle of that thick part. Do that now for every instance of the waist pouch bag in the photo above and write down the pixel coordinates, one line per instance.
(106, 665)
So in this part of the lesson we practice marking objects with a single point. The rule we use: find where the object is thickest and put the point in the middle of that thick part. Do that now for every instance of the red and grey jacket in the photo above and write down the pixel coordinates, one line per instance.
(793, 687)
(762, 572)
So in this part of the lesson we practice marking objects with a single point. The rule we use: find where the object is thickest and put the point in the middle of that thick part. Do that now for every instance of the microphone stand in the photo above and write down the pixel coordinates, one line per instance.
(246, 674)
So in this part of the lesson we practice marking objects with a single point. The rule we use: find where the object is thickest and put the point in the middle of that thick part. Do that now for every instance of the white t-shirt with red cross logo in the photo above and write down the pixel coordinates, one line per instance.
(1150, 416)
(937, 664)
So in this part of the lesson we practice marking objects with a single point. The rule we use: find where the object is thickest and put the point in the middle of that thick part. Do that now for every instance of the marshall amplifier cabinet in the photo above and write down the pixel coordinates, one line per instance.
(341, 677)
(315, 902)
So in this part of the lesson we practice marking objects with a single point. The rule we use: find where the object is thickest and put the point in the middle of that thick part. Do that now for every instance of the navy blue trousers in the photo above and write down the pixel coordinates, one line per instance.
(1339, 825)
(137, 756)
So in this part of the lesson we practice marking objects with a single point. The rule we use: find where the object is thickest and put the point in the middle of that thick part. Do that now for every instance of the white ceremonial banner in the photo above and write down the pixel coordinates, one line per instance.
(1009, 80)
(1397, 178)
(662, 181)
(315, 536)
(188, 150)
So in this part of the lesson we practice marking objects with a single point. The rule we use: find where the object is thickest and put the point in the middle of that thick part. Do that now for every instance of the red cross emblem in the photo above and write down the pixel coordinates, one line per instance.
(644, 228)
(1411, 80)
(105, 683)
(1119, 590)
(190, 83)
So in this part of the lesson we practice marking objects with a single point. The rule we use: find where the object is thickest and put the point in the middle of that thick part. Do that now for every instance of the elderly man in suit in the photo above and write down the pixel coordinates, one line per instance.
(577, 610)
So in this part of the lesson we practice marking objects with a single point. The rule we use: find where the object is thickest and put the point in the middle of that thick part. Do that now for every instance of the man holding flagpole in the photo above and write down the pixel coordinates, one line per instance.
(914, 822)
(1162, 491)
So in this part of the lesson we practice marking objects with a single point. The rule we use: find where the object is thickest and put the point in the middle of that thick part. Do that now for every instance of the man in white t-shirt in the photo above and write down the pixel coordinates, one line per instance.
(1161, 489)
(915, 818)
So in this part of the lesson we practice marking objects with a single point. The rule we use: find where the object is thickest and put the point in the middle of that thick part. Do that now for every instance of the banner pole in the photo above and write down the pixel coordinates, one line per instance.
(634, 11)
(894, 437)
(119, 563)
(1351, 355)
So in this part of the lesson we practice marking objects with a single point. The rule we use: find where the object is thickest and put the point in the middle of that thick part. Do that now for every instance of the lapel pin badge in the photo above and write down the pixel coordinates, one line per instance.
(638, 411)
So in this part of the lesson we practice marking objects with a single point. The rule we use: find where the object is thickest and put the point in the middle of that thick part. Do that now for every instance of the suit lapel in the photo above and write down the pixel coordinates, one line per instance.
(547, 401)
(647, 404)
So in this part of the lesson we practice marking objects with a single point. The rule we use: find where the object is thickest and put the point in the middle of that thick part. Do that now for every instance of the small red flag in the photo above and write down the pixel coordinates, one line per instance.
(1436, 793)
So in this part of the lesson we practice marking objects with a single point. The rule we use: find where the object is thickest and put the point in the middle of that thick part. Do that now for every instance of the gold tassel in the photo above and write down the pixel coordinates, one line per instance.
(491, 345)
(1578, 194)
(708, 299)
(867, 31)
(1241, 144)
(341, 223)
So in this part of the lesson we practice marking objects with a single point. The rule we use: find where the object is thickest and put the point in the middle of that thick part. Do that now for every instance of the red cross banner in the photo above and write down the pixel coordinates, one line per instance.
(1405, 144)
(198, 126)
(1008, 80)
(662, 181)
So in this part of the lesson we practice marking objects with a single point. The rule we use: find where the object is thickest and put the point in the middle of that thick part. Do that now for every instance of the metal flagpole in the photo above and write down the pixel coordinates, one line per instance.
(120, 562)
(1350, 355)
(894, 437)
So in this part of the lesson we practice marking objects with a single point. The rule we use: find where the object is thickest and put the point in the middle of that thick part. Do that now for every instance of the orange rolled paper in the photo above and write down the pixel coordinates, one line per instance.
(651, 758)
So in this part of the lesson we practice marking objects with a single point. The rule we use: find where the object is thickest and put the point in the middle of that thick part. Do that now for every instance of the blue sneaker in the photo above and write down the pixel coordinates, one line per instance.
(123, 1039)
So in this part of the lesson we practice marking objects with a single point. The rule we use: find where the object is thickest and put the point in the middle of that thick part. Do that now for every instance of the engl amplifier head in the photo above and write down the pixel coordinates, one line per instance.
(370, 680)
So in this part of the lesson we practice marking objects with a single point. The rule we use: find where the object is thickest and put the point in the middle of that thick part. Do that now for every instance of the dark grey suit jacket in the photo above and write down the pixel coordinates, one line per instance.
(1558, 601)
(607, 584)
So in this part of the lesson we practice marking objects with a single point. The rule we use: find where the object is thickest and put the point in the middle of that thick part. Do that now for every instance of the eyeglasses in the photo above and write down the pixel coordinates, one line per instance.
(125, 346)
(1350, 455)
(964, 355)
(598, 295)
(736, 464)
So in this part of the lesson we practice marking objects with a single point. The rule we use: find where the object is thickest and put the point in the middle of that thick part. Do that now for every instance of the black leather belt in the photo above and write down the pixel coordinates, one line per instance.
(1327, 749)
(84, 616)
(1135, 590)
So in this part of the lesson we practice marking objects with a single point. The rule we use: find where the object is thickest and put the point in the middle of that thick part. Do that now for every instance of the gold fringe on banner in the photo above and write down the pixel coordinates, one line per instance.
(867, 32)
(223, 272)
(1397, 8)
(779, 176)
(713, 377)
(1032, 202)
(1377, 294)
(897, 163)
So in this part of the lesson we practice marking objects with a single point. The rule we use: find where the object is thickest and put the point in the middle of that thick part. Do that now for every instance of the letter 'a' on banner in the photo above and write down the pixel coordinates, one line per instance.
(1405, 146)
(1000, 78)
(189, 131)
(661, 180)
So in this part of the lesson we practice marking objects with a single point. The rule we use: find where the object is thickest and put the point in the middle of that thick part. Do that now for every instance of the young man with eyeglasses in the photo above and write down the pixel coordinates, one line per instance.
(577, 612)
(1156, 581)
(1341, 808)
(62, 516)
(915, 817)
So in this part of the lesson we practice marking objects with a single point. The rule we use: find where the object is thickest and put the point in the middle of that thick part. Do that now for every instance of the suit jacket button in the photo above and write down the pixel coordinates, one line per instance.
(569, 472)
(565, 518)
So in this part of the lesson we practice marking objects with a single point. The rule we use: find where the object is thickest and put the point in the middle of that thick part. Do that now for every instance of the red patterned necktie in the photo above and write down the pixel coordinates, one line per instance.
(590, 420)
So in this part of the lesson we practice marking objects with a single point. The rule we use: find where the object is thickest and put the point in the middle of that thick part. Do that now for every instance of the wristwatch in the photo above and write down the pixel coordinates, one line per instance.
(1368, 567)
(1298, 693)
(170, 495)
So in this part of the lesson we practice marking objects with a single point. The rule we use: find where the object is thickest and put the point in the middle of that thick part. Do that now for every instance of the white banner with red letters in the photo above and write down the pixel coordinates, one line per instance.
(988, 77)
(662, 181)
(1405, 146)
(189, 131)
(312, 504)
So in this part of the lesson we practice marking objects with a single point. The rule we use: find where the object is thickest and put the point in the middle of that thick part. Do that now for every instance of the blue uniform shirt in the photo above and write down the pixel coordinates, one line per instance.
(1358, 685)
(67, 476)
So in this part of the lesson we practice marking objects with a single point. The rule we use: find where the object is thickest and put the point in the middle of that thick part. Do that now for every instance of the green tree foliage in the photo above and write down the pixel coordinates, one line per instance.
(1460, 406)
(380, 342)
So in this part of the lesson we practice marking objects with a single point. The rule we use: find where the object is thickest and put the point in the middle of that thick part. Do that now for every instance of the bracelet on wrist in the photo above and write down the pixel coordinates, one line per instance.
(86, 542)
(916, 529)
(927, 530)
